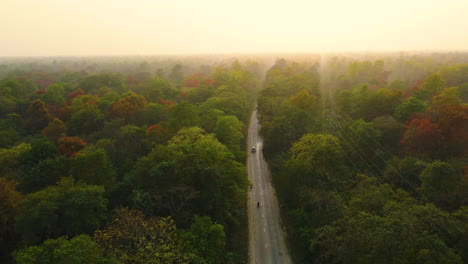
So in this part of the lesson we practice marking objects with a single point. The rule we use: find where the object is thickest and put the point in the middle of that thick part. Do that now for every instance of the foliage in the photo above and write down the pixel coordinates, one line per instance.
(207, 239)
(10, 200)
(78, 250)
(39, 116)
(440, 182)
(229, 131)
(69, 146)
(398, 237)
(93, 167)
(411, 106)
(127, 106)
(55, 130)
(68, 209)
(133, 238)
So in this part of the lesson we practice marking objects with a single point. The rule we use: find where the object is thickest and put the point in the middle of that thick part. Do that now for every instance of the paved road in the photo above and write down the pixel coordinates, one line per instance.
(266, 240)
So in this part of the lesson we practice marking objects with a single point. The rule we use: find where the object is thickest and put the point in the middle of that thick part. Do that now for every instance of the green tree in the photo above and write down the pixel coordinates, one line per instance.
(8, 138)
(85, 119)
(132, 237)
(92, 83)
(44, 173)
(10, 202)
(412, 105)
(93, 166)
(55, 94)
(440, 182)
(158, 88)
(207, 239)
(66, 209)
(78, 250)
(10, 159)
(152, 114)
(431, 86)
(399, 237)
(183, 115)
(304, 100)
(229, 131)
(404, 173)
(209, 118)
(317, 158)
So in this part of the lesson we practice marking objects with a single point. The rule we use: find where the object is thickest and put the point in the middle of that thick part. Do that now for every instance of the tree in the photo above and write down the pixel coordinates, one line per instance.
(278, 136)
(85, 119)
(10, 201)
(440, 182)
(66, 209)
(69, 146)
(131, 143)
(209, 118)
(412, 105)
(55, 94)
(422, 137)
(207, 165)
(74, 94)
(176, 75)
(132, 237)
(194, 80)
(231, 103)
(44, 173)
(448, 97)
(431, 86)
(229, 131)
(152, 114)
(10, 159)
(364, 133)
(402, 235)
(404, 173)
(93, 166)
(194, 174)
(92, 83)
(158, 134)
(55, 130)
(183, 115)
(207, 239)
(304, 100)
(391, 133)
(78, 250)
(316, 158)
(40, 149)
(371, 197)
(158, 88)
(39, 116)
(8, 138)
(127, 106)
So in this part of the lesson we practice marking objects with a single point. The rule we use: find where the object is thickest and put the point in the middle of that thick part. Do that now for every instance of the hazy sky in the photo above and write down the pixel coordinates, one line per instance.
(140, 27)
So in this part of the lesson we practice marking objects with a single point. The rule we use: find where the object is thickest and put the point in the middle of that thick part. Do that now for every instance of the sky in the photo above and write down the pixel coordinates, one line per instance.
(172, 27)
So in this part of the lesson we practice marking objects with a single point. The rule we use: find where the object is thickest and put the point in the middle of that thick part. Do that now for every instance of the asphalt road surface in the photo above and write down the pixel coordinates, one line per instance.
(266, 236)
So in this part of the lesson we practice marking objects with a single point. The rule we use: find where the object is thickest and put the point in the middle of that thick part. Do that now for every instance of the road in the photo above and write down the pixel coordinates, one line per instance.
(266, 236)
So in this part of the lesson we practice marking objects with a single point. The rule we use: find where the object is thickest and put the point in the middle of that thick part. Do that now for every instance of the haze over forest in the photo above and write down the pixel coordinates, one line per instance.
(233, 132)
(145, 27)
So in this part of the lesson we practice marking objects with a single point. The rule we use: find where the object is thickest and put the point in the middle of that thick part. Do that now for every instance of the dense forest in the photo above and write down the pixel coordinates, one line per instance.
(106, 160)
(141, 159)
(369, 156)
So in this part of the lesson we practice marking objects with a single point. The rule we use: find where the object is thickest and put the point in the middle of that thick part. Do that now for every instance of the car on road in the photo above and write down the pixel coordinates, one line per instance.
(254, 149)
